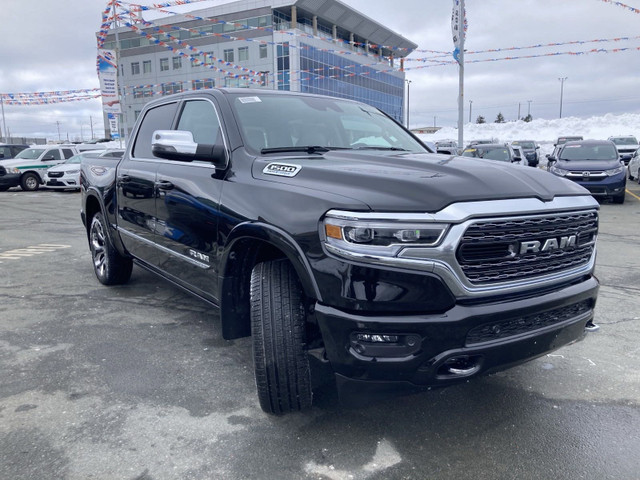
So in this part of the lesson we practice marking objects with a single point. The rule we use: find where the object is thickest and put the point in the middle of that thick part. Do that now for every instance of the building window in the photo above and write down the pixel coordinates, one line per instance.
(136, 114)
(164, 64)
(228, 55)
(200, 84)
(197, 60)
(169, 88)
(263, 51)
(208, 58)
(243, 53)
(284, 74)
(135, 68)
(235, 82)
(146, 66)
(177, 63)
(142, 92)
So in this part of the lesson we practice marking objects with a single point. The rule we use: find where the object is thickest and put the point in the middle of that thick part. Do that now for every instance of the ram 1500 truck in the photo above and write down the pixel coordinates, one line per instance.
(331, 235)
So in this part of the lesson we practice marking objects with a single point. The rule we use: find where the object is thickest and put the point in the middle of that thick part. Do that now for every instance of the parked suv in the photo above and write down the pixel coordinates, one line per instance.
(626, 145)
(27, 169)
(10, 150)
(595, 165)
(530, 150)
(493, 151)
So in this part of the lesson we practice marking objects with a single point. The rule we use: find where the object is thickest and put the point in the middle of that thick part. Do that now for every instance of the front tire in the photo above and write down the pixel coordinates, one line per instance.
(110, 267)
(279, 338)
(30, 182)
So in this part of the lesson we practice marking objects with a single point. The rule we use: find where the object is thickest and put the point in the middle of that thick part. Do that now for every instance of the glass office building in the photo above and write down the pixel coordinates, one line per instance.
(316, 46)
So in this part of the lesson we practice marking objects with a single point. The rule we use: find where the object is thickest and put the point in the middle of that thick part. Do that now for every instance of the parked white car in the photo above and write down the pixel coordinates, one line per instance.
(28, 167)
(66, 176)
(626, 145)
(634, 167)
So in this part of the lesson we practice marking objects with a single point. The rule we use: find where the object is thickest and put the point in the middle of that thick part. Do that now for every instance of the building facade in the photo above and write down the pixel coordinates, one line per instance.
(315, 46)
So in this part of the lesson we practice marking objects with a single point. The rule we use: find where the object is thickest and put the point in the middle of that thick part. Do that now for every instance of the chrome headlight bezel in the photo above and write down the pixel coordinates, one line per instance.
(560, 172)
(615, 171)
(385, 235)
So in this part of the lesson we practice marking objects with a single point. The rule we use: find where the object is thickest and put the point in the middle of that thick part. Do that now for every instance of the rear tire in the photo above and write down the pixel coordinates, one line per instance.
(279, 340)
(109, 265)
(30, 182)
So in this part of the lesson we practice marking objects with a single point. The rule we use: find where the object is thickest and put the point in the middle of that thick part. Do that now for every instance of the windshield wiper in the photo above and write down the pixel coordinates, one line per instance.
(395, 149)
(305, 149)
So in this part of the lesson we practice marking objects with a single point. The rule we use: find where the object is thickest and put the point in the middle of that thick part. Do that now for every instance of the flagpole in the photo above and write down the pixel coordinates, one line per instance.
(461, 79)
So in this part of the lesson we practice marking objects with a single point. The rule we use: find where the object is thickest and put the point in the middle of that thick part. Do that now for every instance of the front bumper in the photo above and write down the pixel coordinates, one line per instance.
(609, 187)
(10, 180)
(62, 183)
(468, 340)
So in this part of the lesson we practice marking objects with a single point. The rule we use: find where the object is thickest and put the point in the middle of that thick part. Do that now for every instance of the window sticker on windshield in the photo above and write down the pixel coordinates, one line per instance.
(282, 169)
(249, 99)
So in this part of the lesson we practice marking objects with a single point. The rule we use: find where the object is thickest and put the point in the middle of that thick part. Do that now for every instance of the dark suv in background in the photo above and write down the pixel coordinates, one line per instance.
(530, 150)
(594, 164)
(8, 150)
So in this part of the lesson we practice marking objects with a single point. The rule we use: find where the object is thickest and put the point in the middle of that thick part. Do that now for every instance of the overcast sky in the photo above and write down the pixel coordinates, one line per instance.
(51, 46)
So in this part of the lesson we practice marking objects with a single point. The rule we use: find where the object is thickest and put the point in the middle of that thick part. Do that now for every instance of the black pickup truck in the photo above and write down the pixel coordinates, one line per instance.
(332, 236)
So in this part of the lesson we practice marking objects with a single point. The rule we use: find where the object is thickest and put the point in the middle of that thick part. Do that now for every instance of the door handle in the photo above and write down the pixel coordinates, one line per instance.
(164, 185)
(124, 178)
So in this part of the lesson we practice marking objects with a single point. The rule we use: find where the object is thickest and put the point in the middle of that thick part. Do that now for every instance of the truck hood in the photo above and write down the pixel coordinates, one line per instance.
(412, 182)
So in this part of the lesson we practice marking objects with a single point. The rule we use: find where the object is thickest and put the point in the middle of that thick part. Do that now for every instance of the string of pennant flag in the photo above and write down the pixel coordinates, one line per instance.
(623, 5)
(131, 11)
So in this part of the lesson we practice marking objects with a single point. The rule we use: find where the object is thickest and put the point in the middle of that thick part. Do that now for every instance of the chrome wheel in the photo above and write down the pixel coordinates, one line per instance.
(98, 247)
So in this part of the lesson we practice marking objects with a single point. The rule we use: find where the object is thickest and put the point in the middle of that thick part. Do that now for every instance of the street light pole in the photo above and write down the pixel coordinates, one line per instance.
(470, 108)
(529, 108)
(562, 79)
(408, 91)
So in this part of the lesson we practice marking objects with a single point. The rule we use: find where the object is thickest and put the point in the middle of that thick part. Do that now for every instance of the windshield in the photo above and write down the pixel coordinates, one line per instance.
(625, 141)
(491, 153)
(604, 151)
(30, 153)
(527, 145)
(288, 122)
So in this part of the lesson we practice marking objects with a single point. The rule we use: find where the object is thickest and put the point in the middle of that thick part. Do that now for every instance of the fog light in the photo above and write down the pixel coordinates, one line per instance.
(376, 338)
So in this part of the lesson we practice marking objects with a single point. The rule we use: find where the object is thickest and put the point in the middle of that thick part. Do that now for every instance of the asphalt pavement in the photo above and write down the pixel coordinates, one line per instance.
(136, 382)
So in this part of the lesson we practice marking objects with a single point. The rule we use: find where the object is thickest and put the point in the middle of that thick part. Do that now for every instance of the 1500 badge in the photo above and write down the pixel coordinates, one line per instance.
(282, 169)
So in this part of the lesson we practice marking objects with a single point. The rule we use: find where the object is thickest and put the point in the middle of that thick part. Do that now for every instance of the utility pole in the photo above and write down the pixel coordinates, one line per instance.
(470, 108)
(562, 79)
(519, 103)
(91, 123)
(4, 121)
(408, 91)
(58, 124)
(529, 108)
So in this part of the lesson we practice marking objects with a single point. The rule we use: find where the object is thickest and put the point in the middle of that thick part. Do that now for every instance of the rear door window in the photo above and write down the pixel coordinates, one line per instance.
(157, 118)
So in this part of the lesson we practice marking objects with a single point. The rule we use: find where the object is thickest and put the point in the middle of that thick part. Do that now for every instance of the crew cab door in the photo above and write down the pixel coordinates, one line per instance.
(136, 188)
(187, 204)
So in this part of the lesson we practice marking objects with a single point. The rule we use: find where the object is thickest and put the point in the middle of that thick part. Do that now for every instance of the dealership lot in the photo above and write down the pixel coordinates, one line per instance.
(136, 382)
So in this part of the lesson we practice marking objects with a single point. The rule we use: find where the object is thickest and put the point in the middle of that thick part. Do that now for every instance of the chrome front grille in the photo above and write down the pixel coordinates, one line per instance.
(491, 251)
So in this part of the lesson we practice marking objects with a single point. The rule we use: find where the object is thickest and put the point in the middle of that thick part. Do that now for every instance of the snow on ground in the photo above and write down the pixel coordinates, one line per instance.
(545, 132)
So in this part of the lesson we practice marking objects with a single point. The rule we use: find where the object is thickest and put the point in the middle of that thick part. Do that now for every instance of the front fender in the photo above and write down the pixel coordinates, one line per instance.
(281, 240)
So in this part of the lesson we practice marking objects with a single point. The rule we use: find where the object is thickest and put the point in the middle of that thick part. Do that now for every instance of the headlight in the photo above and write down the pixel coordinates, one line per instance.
(614, 171)
(73, 172)
(378, 237)
(561, 172)
(12, 170)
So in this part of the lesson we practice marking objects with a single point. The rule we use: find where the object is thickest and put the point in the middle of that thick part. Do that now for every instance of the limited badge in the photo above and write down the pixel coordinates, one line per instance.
(282, 169)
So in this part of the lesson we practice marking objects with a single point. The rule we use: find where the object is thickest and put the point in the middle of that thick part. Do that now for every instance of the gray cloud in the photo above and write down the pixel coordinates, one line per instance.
(51, 46)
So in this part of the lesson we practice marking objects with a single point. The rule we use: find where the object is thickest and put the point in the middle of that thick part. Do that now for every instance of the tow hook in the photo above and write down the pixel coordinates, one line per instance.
(591, 327)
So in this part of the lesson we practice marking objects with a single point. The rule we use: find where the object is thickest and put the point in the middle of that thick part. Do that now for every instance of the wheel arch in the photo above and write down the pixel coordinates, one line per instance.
(247, 245)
